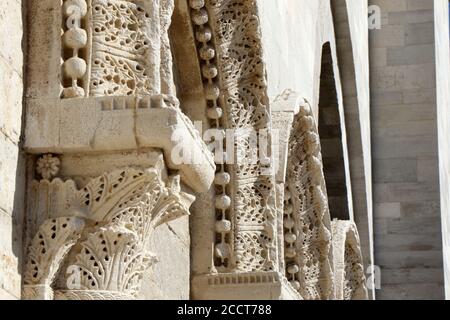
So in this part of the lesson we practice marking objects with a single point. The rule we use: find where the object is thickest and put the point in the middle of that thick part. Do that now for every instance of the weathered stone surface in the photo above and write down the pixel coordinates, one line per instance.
(12, 174)
(358, 123)
(405, 147)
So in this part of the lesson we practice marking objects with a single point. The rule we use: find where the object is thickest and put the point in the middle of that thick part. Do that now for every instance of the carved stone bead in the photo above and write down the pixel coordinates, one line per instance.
(196, 4)
(73, 92)
(215, 113)
(212, 92)
(223, 202)
(204, 35)
(312, 143)
(296, 285)
(290, 253)
(200, 17)
(307, 123)
(288, 209)
(209, 71)
(222, 179)
(71, 6)
(222, 251)
(75, 38)
(207, 53)
(293, 269)
(75, 67)
(287, 195)
(289, 223)
(223, 226)
(290, 238)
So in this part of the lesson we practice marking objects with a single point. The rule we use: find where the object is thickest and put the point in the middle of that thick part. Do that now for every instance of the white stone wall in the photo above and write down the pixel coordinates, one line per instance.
(169, 279)
(11, 159)
(443, 102)
(408, 245)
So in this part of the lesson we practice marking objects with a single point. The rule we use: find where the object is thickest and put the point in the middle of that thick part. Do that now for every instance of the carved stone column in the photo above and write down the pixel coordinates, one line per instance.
(101, 107)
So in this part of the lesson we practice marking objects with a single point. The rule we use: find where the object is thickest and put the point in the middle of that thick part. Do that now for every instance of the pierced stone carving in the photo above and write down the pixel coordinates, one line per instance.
(112, 259)
(350, 280)
(116, 48)
(48, 166)
(235, 90)
(307, 225)
(110, 220)
(47, 251)
(120, 46)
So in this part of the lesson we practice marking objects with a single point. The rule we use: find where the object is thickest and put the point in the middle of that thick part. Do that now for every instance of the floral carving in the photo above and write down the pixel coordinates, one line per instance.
(120, 210)
(48, 166)
(119, 49)
(307, 225)
(48, 249)
(236, 92)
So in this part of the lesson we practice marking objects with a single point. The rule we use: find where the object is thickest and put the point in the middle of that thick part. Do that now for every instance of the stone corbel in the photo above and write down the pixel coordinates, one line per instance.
(92, 241)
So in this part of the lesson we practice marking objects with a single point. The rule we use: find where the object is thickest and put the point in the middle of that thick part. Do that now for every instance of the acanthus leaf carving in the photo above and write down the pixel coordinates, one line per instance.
(48, 249)
(121, 210)
(236, 93)
(112, 259)
(307, 225)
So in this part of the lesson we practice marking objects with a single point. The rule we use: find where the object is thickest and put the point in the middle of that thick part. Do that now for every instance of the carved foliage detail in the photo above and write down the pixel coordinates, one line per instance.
(49, 247)
(119, 47)
(121, 209)
(112, 259)
(348, 263)
(236, 93)
(307, 226)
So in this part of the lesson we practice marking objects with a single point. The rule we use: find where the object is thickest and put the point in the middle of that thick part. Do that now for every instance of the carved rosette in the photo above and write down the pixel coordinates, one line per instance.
(236, 93)
(94, 243)
(350, 279)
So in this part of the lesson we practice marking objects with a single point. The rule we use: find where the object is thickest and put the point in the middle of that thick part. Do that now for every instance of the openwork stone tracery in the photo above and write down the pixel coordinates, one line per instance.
(93, 240)
(307, 219)
(116, 47)
(108, 92)
(89, 239)
(228, 34)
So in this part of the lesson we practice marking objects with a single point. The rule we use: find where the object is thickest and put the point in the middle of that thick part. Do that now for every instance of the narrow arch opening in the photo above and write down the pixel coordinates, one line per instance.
(331, 139)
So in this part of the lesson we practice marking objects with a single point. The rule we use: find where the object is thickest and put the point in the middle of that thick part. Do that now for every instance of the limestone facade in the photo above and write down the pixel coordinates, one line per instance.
(222, 149)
